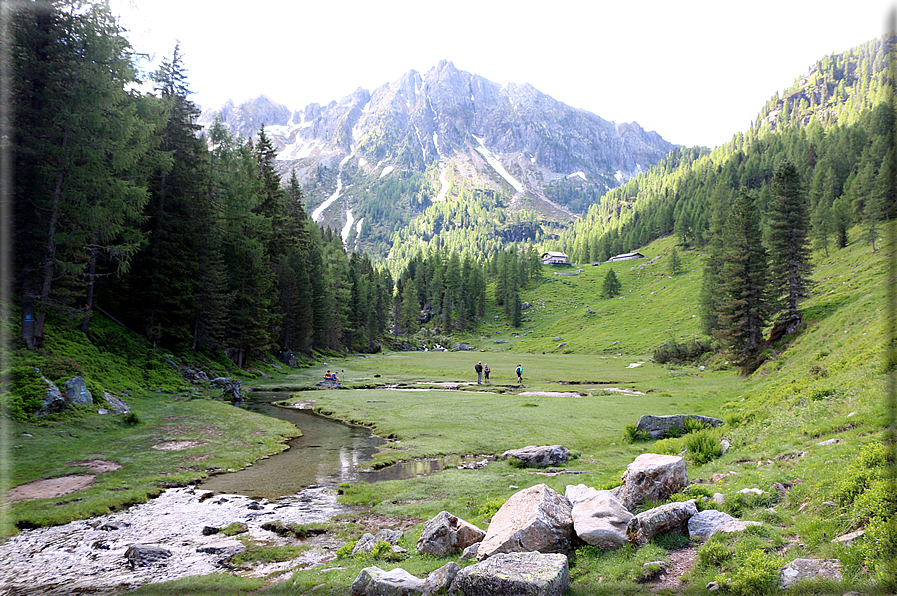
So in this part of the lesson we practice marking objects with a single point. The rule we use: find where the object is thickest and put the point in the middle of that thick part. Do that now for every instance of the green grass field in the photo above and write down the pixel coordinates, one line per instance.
(827, 382)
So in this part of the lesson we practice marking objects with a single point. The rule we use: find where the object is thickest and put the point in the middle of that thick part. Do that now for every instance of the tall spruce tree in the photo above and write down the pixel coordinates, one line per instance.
(744, 308)
(163, 288)
(789, 252)
(79, 139)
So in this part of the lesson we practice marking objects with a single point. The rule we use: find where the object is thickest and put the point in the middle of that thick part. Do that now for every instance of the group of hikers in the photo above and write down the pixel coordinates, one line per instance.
(480, 368)
(483, 369)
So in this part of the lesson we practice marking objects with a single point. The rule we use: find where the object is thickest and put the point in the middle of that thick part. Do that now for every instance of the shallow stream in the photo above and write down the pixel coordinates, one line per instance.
(327, 454)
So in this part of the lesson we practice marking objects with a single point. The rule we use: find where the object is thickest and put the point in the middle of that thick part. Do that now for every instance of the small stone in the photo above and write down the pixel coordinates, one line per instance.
(713, 587)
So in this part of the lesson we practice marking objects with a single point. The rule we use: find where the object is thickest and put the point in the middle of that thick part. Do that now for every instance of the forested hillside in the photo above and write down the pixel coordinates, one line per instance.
(192, 241)
(834, 124)
(123, 208)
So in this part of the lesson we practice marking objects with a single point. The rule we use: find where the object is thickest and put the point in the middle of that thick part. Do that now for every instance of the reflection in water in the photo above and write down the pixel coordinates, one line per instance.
(326, 454)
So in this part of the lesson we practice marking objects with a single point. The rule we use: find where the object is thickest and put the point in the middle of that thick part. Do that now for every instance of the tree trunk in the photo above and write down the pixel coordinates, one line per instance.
(91, 283)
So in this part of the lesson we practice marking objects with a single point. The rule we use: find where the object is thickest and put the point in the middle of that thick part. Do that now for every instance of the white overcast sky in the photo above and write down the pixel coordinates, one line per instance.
(694, 71)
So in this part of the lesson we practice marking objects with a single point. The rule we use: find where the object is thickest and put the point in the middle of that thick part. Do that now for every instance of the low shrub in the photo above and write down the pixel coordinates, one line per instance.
(756, 572)
(676, 353)
(693, 425)
(27, 395)
(668, 446)
(714, 553)
(703, 446)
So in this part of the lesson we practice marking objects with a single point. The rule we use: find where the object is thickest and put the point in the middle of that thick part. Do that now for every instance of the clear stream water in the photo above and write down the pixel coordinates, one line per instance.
(327, 454)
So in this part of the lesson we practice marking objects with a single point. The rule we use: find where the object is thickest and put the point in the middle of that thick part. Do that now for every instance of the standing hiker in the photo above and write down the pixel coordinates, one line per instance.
(486, 372)
(479, 368)
(519, 374)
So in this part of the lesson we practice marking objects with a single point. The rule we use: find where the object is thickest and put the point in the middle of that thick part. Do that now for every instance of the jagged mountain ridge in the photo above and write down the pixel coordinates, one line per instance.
(453, 129)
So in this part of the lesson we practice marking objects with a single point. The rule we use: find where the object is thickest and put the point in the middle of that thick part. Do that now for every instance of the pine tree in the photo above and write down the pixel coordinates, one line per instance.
(611, 285)
(789, 253)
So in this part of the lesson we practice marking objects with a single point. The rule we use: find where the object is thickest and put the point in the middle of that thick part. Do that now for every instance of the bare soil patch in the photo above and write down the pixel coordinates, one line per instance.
(176, 445)
(681, 562)
(49, 488)
(96, 465)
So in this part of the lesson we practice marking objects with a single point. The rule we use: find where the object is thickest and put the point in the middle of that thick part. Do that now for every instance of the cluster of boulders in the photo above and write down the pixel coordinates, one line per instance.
(525, 548)
(229, 387)
(76, 393)
(658, 427)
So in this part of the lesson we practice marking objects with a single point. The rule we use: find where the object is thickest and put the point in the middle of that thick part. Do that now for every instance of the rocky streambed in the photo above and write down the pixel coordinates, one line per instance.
(92, 556)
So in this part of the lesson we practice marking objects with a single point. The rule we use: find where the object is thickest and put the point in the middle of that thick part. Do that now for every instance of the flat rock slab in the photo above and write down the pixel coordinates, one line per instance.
(809, 569)
(705, 523)
(373, 581)
(539, 457)
(671, 518)
(513, 574)
(657, 427)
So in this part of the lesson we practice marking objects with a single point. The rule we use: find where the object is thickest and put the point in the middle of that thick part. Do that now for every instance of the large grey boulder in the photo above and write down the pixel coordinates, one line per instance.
(671, 518)
(704, 524)
(54, 400)
(447, 534)
(538, 457)
(651, 477)
(116, 404)
(515, 574)
(440, 580)
(536, 519)
(76, 392)
(658, 427)
(809, 569)
(373, 581)
(599, 518)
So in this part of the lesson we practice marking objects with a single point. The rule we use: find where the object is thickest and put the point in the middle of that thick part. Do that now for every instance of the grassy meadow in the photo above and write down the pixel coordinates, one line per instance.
(826, 382)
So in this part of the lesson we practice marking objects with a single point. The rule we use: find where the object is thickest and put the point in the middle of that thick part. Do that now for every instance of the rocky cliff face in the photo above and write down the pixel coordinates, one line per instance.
(449, 124)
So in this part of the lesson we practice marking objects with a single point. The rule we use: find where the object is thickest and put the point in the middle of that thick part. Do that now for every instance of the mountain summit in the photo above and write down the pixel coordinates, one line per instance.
(449, 129)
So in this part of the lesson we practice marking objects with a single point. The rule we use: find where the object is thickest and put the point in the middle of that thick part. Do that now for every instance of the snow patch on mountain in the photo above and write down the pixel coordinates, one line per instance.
(443, 184)
(493, 161)
(319, 210)
(350, 219)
